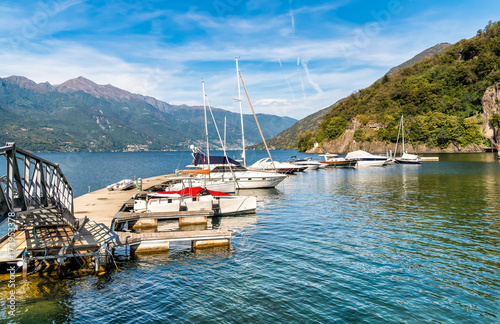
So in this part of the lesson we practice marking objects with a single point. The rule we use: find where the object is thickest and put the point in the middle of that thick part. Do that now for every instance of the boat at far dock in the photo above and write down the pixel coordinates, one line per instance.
(307, 162)
(366, 159)
(405, 157)
(333, 160)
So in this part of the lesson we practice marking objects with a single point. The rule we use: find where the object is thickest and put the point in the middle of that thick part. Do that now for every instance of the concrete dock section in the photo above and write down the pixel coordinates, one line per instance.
(102, 205)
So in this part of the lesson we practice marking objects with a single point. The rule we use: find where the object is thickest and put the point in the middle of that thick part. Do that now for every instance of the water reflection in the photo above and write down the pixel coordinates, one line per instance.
(40, 297)
(394, 244)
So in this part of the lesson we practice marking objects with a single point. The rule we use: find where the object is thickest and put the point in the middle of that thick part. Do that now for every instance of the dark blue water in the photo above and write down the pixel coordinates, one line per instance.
(415, 244)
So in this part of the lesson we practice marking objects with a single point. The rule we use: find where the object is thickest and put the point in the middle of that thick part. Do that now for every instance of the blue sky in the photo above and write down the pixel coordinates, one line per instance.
(296, 57)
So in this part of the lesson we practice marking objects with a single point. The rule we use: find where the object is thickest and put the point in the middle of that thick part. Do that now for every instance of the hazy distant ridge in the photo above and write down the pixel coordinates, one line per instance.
(80, 115)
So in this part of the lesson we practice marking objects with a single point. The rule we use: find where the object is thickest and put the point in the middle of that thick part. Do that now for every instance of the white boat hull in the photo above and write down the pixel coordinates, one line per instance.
(220, 205)
(222, 186)
(366, 159)
(371, 163)
(251, 179)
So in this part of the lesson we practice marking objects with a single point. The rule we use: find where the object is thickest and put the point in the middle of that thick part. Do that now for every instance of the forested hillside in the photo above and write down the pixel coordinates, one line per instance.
(439, 96)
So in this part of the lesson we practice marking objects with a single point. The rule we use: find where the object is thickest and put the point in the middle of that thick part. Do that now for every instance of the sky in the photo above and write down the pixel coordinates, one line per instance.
(295, 57)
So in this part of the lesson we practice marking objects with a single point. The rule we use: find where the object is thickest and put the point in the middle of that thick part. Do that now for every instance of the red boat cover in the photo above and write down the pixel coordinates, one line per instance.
(194, 191)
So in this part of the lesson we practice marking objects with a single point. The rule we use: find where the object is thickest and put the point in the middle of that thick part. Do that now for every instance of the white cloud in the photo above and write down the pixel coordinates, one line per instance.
(335, 62)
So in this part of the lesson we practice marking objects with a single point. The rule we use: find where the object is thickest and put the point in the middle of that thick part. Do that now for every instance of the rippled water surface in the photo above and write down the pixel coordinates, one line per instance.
(396, 244)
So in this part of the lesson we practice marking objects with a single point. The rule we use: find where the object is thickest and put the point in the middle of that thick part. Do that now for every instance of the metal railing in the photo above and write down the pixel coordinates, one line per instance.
(32, 183)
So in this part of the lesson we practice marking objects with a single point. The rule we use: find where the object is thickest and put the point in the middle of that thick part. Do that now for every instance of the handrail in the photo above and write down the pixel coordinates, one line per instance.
(33, 183)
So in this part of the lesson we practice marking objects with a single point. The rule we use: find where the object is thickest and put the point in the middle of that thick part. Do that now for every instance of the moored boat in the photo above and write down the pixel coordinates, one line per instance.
(266, 164)
(405, 157)
(178, 183)
(307, 162)
(366, 159)
(122, 185)
(226, 169)
(333, 160)
(409, 159)
(195, 199)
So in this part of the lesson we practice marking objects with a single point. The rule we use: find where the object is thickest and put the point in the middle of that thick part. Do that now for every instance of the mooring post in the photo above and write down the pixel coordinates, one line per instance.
(97, 257)
(25, 268)
(127, 248)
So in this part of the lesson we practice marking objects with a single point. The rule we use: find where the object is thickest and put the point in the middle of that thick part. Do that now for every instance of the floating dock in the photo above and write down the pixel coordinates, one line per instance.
(430, 158)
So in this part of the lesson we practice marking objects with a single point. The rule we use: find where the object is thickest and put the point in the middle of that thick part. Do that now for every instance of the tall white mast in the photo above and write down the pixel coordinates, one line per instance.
(241, 115)
(403, 131)
(206, 122)
(225, 120)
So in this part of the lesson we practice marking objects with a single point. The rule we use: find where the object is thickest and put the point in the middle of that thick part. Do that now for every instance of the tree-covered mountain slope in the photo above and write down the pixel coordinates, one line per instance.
(288, 139)
(440, 97)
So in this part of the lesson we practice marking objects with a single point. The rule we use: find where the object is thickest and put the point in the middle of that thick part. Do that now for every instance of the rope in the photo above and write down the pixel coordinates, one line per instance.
(113, 258)
(81, 265)
(38, 243)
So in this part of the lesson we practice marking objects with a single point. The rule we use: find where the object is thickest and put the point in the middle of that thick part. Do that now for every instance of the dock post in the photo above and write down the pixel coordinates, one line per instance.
(25, 268)
(127, 247)
(97, 258)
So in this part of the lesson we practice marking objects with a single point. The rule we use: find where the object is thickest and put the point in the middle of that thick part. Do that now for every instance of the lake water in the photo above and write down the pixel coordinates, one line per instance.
(403, 243)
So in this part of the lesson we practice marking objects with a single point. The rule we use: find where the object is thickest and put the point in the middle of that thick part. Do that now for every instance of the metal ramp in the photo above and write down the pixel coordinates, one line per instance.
(32, 184)
(36, 214)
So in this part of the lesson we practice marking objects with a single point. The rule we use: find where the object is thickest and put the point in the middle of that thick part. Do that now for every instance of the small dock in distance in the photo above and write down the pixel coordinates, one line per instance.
(430, 158)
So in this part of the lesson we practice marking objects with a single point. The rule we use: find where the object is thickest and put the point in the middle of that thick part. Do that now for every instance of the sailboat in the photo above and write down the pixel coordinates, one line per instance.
(227, 169)
(205, 180)
(405, 157)
(223, 168)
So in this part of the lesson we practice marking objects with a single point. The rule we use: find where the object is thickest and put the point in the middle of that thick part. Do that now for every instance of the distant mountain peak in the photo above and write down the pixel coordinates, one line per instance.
(26, 83)
(90, 87)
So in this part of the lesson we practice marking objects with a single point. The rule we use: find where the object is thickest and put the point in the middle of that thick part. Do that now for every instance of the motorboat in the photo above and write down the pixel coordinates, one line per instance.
(195, 199)
(333, 160)
(266, 164)
(178, 183)
(308, 162)
(366, 159)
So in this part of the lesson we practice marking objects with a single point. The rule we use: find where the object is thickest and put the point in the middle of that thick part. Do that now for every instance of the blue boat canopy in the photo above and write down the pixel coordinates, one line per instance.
(199, 158)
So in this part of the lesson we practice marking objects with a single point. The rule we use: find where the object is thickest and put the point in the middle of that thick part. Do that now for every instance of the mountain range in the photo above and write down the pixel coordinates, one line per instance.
(80, 115)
